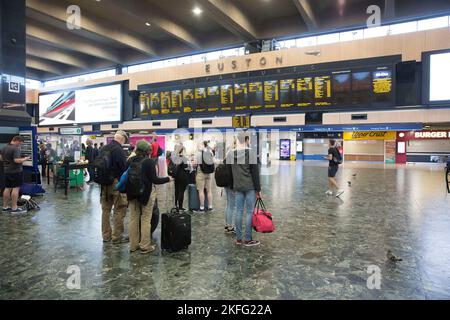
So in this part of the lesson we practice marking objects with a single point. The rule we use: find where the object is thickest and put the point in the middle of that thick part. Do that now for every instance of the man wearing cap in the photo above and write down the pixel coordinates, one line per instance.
(110, 197)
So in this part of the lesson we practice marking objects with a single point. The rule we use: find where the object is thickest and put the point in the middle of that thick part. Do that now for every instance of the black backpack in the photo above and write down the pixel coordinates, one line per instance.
(135, 185)
(206, 168)
(338, 157)
(222, 176)
(103, 167)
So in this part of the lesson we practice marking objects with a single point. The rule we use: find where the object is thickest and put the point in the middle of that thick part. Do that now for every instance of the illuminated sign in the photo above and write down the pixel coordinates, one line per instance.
(432, 135)
(370, 135)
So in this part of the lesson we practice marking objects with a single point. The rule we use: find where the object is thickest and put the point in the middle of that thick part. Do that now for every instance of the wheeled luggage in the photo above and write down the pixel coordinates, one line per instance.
(175, 231)
(194, 200)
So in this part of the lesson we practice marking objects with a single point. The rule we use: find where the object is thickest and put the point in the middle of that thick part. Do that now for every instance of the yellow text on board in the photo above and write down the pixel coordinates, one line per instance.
(241, 122)
(370, 135)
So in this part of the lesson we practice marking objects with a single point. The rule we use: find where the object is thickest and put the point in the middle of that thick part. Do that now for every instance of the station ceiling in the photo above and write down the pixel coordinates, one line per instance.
(124, 32)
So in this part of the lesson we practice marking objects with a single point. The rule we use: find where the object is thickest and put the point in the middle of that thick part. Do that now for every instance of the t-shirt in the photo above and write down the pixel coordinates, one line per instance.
(9, 153)
(335, 153)
(155, 147)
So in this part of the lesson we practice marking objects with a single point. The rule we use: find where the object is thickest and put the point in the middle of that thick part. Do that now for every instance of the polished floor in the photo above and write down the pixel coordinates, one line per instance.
(322, 248)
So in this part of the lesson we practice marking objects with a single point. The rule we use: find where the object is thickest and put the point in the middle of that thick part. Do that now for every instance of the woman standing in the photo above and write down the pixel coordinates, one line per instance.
(230, 208)
(181, 175)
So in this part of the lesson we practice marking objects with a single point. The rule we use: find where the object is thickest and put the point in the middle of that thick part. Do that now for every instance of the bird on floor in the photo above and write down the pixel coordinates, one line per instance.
(349, 183)
(391, 257)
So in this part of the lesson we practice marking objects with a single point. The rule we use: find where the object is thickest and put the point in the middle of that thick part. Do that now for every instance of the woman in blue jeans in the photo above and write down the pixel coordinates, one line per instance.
(229, 210)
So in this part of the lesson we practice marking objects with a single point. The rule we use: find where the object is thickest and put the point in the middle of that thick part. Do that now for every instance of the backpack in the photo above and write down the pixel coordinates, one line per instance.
(160, 151)
(222, 176)
(135, 183)
(206, 168)
(103, 174)
(338, 157)
(171, 169)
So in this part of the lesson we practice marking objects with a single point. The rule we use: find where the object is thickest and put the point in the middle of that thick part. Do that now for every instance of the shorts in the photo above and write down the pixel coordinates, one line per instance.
(332, 170)
(13, 180)
(203, 180)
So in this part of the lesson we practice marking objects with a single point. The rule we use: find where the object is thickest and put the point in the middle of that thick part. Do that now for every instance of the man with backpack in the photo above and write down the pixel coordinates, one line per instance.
(205, 169)
(108, 168)
(141, 178)
(335, 159)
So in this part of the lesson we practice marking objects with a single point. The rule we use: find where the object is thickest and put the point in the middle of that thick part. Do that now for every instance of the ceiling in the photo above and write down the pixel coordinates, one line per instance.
(114, 32)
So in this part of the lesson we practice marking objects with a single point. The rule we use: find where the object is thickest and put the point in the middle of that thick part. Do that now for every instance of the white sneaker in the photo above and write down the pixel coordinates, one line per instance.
(329, 193)
(339, 193)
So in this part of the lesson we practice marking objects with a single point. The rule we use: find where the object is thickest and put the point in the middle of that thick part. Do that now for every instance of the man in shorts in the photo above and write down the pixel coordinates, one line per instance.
(205, 170)
(334, 158)
(13, 168)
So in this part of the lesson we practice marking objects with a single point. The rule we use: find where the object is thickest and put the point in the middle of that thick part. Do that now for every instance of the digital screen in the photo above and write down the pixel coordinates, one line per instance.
(200, 100)
(255, 95)
(94, 105)
(271, 97)
(176, 101)
(382, 86)
(287, 93)
(342, 85)
(240, 96)
(188, 100)
(439, 77)
(165, 102)
(155, 103)
(361, 88)
(145, 104)
(285, 149)
(305, 92)
(213, 94)
(226, 97)
(322, 91)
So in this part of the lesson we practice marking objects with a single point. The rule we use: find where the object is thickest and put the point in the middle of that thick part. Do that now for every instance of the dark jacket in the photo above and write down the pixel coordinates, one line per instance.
(150, 178)
(118, 158)
(245, 171)
(90, 154)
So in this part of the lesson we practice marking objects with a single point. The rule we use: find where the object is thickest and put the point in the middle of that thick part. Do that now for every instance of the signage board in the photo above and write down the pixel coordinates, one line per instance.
(241, 122)
(70, 131)
(370, 135)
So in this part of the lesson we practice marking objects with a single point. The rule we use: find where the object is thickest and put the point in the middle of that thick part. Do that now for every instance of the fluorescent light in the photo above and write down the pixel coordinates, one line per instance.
(197, 11)
(148, 24)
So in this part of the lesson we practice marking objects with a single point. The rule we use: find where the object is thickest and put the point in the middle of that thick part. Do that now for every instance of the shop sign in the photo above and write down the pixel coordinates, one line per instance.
(431, 135)
(370, 135)
(70, 131)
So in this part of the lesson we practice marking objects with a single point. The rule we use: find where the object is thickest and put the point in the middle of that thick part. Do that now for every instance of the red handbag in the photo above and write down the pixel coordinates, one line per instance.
(262, 219)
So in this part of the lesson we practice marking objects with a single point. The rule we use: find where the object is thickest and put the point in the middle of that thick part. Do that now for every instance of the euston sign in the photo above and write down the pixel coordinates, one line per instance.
(249, 62)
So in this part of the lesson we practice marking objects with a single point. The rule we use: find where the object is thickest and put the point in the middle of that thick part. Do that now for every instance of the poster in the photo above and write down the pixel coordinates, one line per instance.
(285, 149)
(389, 153)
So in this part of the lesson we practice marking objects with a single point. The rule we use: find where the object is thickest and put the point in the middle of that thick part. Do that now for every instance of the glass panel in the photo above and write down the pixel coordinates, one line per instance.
(351, 35)
(433, 23)
(328, 38)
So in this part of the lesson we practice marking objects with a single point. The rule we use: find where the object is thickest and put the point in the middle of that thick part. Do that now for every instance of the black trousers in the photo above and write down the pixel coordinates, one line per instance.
(180, 188)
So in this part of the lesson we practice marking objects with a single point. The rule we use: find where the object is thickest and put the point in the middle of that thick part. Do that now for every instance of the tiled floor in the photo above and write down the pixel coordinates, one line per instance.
(321, 249)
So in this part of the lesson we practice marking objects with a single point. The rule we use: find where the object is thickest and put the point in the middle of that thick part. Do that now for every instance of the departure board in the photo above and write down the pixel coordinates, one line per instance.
(287, 93)
(361, 88)
(188, 100)
(176, 101)
(271, 98)
(200, 99)
(240, 96)
(382, 86)
(305, 92)
(342, 89)
(145, 104)
(165, 102)
(155, 103)
(213, 98)
(322, 91)
(226, 97)
(255, 95)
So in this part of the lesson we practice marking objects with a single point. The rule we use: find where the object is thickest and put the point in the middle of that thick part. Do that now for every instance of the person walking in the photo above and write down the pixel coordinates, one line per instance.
(181, 175)
(205, 170)
(13, 171)
(246, 185)
(141, 206)
(334, 159)
(110, 197)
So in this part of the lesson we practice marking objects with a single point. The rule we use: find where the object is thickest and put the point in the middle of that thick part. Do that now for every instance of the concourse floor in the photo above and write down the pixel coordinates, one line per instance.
(322, 248)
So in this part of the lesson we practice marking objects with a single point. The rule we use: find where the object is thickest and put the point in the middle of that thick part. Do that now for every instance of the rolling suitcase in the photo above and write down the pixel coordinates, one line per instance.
(175, 231)
(193, 198)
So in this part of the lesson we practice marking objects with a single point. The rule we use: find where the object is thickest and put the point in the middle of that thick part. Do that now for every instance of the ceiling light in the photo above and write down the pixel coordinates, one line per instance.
(148, 24)
(197, 11)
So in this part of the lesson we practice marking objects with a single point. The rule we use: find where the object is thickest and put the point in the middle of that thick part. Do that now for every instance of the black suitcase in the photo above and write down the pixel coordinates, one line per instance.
(175, 231)
(194, 199)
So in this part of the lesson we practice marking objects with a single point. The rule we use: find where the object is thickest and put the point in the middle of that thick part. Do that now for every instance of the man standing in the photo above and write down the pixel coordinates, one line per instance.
(155, 148)
(205, 170)
(334, 158)
(13, 168)
(114, 164)
(96, 152)
(90, 157)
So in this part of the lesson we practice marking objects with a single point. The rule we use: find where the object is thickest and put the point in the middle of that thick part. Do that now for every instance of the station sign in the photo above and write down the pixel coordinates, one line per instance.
(70, 131)
(370, 135)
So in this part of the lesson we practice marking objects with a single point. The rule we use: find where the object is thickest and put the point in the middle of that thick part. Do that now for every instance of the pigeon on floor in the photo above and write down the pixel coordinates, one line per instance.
(354, 174)
(391, 257)
(349, 183)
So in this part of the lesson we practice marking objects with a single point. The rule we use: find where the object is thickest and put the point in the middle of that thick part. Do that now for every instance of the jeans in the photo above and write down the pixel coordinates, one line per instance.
(231, 206)
(247, 199)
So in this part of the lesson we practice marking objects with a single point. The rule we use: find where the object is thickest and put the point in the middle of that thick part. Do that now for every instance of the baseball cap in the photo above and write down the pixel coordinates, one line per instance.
(142, 145)
(123, 134)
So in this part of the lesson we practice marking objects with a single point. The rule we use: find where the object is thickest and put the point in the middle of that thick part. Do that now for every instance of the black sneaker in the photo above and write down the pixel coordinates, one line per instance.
(19, 210)
(6, 210)
(209, 210)
(251, 243)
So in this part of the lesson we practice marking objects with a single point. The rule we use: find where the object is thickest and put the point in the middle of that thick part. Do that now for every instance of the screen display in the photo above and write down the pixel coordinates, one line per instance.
(285, 149)
(240, 96)
(226, 97)
(341, 84)
(322, 91)
(287, 93)
(361, 88)
(200, 99)
(305, 92)
(271, 97)
(176, 101)
(382, 86)
(188, 100)
(255, 95)
(213, 94)
(439, 74)
(93, 105)
(165, 102)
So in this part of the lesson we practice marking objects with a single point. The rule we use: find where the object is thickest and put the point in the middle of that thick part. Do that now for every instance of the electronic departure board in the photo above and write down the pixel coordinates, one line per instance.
(165, 102)
(200, 99)
(213, 98)
(154, 101)
(240, 96)
(188, 100)
(145, 104)
(177, 101)
(271, 98)
(226, 97)
(361, 82)
(341, 89)
(288, 93)
(322, 91)
(255, 95)
(305, 92)
(382, 86)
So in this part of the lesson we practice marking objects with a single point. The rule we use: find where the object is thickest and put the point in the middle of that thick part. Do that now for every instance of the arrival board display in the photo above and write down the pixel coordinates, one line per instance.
(287, 93)
(240, 96)
(305, 92)
(361, 82)
(322, 91)
(200, 99)
(213, 94)
(165, 102)
(188, 100)
(177, 101)
(341, 89)
(271, 96)
(226, 97)
(255, 95)
(382, 86)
